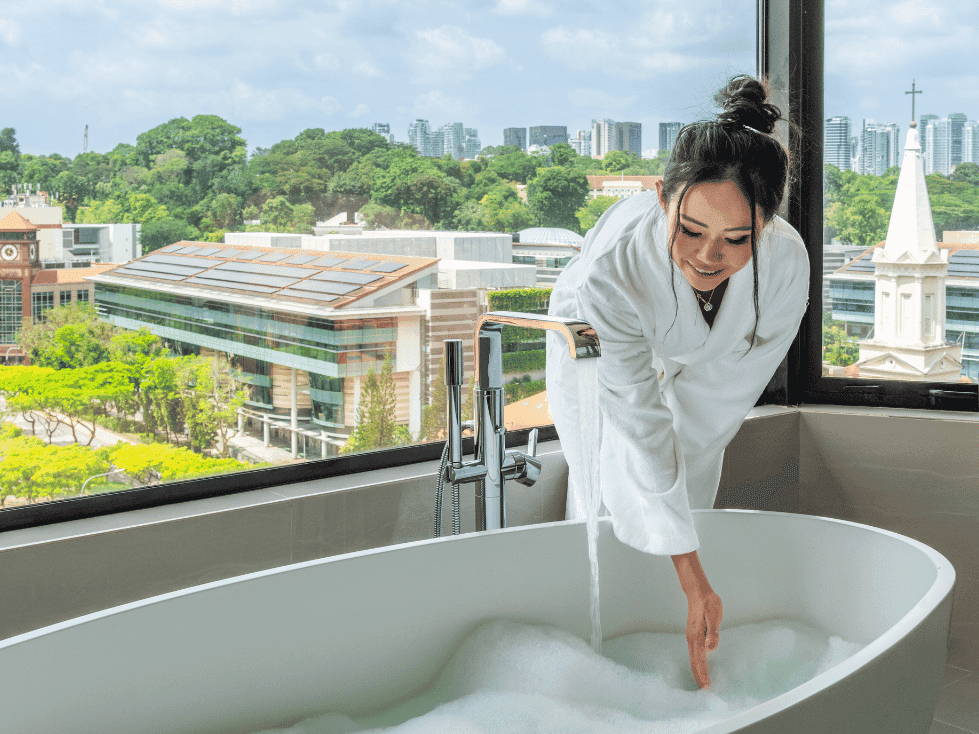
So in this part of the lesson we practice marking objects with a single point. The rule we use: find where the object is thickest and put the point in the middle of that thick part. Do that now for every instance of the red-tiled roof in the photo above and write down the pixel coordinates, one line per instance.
(14, 222)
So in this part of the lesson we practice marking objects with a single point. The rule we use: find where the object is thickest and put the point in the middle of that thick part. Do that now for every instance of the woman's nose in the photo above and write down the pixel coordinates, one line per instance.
(711, 251)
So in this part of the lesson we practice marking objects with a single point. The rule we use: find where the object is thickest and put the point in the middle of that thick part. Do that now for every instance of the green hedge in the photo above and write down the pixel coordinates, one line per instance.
(524, 300)
(528, 361)
(519, 390)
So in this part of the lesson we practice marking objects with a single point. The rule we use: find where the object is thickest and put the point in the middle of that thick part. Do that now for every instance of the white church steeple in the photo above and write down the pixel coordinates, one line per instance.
(909, 307)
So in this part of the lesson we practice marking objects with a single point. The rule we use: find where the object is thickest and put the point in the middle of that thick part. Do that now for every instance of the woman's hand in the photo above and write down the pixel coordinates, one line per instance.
(703, 613)
(703, 631)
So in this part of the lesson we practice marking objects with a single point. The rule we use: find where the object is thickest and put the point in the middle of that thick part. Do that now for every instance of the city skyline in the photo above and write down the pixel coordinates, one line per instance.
(276, 68)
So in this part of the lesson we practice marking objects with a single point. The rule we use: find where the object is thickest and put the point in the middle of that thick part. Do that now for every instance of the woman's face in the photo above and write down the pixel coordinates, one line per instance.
(713, 241)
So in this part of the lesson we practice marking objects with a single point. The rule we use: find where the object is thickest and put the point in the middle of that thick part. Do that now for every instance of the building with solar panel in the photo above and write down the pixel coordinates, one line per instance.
(303, 328)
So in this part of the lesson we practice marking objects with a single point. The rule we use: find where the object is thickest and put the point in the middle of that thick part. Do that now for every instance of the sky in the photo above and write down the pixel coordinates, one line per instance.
(276, 67)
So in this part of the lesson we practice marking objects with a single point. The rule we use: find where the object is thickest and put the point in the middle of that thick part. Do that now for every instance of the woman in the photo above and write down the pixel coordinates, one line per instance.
(696, 293)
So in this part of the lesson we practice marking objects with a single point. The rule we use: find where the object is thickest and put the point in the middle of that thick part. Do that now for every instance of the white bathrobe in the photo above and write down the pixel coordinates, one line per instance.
(670, 399)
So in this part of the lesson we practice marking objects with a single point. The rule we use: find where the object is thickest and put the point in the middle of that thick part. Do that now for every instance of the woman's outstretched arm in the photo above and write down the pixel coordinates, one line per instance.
(704, 613)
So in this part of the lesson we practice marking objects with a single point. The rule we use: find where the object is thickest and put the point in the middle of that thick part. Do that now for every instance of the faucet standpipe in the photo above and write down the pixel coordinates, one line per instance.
(493, 464)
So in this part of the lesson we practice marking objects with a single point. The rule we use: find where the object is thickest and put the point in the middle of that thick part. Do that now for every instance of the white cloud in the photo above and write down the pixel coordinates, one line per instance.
(613, 53)
(438, 108)
(360, 111)
(9, 31)
(522, 7)
(594, 99)
(366, 68)
(450, 54)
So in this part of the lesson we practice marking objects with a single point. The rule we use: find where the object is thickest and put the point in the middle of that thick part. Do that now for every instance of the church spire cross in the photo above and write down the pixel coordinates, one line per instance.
(912, 93)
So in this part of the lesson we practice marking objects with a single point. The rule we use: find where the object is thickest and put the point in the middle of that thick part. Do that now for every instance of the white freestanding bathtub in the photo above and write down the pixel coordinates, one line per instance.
(356, 633)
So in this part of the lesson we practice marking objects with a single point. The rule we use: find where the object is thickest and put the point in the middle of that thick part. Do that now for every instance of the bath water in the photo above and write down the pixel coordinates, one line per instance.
(587, 479)
(508, 677)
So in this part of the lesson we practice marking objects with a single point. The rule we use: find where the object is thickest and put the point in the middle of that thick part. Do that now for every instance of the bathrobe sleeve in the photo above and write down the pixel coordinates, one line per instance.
(717, 395)
(642, 473)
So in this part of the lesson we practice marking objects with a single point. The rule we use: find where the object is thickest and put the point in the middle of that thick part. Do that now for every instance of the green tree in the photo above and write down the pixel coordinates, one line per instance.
(377, 425)
(503, 211)
(162, 232)
(555, 195)
(838, 348)
(966, 173)
(69, 336)
(516, 166)
(563, 154)
(618, 160)
(277, 215)
(592, 211)
(863, 222)
(198, 137)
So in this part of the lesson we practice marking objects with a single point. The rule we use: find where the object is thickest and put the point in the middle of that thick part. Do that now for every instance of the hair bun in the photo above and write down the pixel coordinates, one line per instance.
(743, 101)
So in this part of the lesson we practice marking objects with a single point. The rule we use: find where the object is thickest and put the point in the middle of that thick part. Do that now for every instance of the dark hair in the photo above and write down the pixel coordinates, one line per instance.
(737, 146)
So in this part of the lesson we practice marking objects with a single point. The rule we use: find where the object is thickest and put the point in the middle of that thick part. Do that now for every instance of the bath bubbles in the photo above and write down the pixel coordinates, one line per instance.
(511, 677)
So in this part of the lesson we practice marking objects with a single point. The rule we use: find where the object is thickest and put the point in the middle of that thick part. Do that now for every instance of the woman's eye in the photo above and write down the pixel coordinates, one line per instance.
(688, 232)
(739, 241)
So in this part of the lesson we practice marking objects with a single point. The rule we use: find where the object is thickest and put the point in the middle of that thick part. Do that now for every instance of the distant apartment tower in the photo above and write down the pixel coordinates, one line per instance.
(548, 135)
(608, 135)
(957, 122)
(836, 142)
(879, 145)
(922, 126)
(580, 142)
(515, 136)
(384, 130)
(970, 142)
(938, 135)
(667, 134)
(454, 140)
(420, 137)
(473, 146)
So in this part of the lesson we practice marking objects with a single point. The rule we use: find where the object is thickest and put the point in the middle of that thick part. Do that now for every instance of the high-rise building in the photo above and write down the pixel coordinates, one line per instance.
(548, 135)
(957, 122)
(970, 142)
(420, 136)
(879, 147)
(608, 135)
(667, 134)
(580, 142)
(515, 136)
(938, 136)
(473, 145)
(836, 142)
(383, 129)
(922, 126)
(454, 140)
(628, 137)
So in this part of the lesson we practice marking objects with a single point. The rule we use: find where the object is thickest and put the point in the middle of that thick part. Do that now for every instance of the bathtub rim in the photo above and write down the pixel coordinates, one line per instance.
(940, 588)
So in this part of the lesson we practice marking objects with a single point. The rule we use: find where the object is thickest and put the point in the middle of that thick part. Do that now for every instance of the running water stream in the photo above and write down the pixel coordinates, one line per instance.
(587, 479)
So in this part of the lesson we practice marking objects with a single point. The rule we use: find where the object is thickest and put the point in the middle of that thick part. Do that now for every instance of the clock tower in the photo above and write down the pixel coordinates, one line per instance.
(19, 263)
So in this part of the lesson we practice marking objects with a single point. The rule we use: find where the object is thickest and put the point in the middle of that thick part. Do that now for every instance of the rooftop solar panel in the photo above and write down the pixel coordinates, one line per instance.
(145, 274)
(209, 251)
(229, 253)
(235, 276)
(177, 260)
(282, 270)
(302, 259)
(359, 264)
(324, 286)
(248, 254)
(388, 267)
(359, 278)
(187, 250)
(165, 268)
(171, 248)
(306, 294)
(237, 286)
(330, 262)
(274, 257)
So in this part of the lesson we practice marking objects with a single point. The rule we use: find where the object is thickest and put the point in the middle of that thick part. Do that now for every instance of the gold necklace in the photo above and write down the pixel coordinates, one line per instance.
(707, 304)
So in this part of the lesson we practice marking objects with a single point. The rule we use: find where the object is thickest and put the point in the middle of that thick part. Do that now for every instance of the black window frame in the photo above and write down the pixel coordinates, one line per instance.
(789, 39)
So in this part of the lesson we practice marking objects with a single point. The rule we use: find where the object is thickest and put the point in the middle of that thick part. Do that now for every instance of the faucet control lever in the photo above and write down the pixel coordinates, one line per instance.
(523, 467)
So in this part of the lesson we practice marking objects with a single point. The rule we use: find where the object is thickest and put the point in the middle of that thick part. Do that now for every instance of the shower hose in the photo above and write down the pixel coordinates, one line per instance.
(456, 525)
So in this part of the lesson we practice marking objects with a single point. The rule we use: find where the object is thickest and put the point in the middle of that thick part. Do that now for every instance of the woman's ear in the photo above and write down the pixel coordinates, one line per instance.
(662, 198)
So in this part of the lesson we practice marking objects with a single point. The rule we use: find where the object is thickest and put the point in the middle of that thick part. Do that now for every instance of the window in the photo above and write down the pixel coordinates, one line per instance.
(40, 303)
(64, 298)
(81, 296)
(10, 311)
(894, 331)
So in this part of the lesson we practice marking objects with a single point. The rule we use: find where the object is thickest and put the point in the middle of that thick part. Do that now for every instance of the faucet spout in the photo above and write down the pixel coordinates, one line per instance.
(582, 340)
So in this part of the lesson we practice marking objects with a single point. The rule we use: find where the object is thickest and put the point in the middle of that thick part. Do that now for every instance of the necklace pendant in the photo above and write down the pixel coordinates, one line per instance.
(707, 307)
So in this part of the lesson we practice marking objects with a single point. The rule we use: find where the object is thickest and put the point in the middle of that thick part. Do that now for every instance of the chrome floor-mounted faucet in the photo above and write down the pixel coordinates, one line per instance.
(493, 464)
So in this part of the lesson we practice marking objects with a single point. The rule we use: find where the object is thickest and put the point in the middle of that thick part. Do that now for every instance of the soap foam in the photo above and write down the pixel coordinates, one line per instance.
(511, 677)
